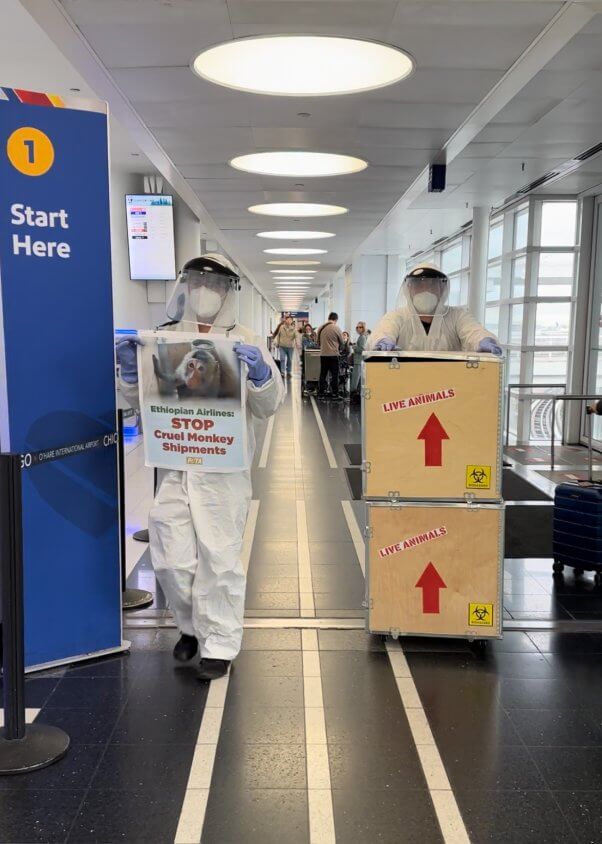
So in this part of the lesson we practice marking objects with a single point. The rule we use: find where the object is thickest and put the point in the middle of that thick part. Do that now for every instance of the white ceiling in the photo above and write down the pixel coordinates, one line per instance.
(463, 48)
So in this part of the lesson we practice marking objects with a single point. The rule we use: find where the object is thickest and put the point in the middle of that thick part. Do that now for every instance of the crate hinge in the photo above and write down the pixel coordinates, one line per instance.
(366, 466)
(472, 362)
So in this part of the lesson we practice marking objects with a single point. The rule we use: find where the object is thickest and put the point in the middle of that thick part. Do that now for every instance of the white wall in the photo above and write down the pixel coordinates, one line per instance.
(368, 290)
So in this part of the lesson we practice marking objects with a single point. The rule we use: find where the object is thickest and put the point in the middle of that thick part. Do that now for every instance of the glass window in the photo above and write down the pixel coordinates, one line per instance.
(519, 269)
(556, 273)
(513, 367)
(549, 367)
(552, 323)
(451, 258)
(558, 223)
(494, 282)
(516, 325)
(521, 227)
(496, 233)
(492, 319)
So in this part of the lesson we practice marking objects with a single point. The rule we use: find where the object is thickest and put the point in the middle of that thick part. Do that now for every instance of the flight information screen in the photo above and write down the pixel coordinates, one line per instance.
(150, 237)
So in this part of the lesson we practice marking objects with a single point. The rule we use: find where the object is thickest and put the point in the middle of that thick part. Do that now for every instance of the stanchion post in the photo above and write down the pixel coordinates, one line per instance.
(132, 599)
(11, 557)
(23, 748)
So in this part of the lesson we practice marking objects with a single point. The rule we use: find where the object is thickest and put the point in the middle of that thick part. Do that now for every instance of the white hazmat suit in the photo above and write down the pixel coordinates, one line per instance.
(197, 520)
(452, 329)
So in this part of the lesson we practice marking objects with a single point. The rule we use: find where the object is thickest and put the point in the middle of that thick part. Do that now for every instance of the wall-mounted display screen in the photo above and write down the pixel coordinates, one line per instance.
(150, 237)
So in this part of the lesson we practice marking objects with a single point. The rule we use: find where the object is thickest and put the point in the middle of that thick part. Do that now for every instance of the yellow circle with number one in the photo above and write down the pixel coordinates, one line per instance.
(30, 151)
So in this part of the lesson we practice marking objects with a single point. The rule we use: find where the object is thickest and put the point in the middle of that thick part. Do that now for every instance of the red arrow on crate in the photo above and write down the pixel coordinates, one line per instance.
(433, 435)
(430, 581)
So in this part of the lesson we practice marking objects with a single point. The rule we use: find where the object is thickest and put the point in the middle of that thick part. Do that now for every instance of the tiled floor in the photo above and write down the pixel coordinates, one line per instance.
(320, 738)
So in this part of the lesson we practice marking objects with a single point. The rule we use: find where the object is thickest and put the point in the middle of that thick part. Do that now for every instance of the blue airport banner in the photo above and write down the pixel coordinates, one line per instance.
(57, 388)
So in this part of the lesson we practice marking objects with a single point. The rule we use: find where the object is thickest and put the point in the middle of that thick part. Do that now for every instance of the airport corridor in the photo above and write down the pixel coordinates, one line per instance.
(321, 732)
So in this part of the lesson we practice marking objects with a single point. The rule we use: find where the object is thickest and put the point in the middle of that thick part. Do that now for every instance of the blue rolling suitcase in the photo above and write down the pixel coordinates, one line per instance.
(578, 528)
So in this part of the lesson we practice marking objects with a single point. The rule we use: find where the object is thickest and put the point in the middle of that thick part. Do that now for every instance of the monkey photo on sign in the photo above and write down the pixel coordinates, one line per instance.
(194, 370)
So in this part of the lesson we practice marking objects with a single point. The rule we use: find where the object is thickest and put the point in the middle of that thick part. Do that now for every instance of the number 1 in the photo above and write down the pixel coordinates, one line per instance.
(30, 151)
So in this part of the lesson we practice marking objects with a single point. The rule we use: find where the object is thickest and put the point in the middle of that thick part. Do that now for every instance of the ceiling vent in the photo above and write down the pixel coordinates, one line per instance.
(589, 153)
(562, 170)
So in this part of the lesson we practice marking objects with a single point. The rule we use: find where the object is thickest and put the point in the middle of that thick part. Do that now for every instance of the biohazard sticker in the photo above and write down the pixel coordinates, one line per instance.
(480, 615)
(478, 477)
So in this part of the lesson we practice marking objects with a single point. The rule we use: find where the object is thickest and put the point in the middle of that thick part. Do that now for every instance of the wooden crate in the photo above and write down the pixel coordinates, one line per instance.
(435, 569)
(432, 426)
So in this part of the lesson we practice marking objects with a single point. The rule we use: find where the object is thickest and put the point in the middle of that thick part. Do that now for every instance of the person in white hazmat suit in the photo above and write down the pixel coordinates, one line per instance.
(423, 321)
(197, 520)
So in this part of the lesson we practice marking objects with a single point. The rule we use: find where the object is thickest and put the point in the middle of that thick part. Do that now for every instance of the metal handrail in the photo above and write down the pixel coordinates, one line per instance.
(566, 397)
(511, 387)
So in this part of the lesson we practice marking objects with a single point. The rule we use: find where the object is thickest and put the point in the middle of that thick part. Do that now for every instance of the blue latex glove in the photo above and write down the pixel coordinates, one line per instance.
(127, 357)
(489, 346)
(385, 344)
(259, 372)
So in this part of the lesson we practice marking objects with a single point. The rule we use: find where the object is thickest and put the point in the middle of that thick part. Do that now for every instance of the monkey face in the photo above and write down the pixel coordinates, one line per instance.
(199, 371)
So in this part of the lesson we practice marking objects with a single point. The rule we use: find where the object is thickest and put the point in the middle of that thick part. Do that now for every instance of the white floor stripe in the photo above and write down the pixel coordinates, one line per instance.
(30, 716)
(319, 794)
(296, 405)
(356, 534)
(265, 451)
(325, 441)
(194, 806)
(446, 808)
(306, 591)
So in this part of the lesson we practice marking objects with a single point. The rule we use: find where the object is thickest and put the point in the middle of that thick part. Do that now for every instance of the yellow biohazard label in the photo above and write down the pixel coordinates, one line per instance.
(480, 615)
(478, 477)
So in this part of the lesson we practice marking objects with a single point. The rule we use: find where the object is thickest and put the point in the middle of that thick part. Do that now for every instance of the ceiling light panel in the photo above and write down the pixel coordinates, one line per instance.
(294, 250)
(298, 209)
(303, 272)
(303, 65)
(296, 235)
(293, 263)
(293, 163)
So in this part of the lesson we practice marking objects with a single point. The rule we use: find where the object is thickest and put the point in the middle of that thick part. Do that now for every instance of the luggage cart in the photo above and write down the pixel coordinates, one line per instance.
(310, 372)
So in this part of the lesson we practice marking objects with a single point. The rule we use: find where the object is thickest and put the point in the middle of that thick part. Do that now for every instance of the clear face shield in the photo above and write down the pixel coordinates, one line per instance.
(426, 292)
(204, 298)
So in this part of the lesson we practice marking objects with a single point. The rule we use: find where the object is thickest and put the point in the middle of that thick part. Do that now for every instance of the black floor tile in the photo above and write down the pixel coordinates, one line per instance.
(81, 725)
(258, 816)
(269, 664)
(507, 767)
(261, 582)
(73, 771)
(332, 553)
(276, 553)
(512, 642)
(251, 690)
(263, 725)
(536, 694)
(140, 817)
(272, 601)
(359, 681)
(343, 599)
(370, 728)
(567, 643)
(484, 724)
(139, 767)
(570, 768)
(349, 640)
(528, 817)
(246, 766)
(338, 578)
(556, 727)
(176, 685)
(583, 811)
(40, 816)
(125, 664)
(386, 817)
(146, 725)
(90, 692)
(37, 691)
(351, 767)
(271, 640)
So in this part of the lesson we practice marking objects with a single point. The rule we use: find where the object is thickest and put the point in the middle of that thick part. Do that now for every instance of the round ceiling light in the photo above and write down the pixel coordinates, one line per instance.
(302, 65)
(283, 279)
(305, 272)
(298, 209)
(296, 235)
(294, 250)
(293, 263)
(298, 163)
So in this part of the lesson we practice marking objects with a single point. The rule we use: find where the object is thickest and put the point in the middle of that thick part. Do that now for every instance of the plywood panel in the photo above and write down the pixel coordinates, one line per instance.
(435, 569)
(432, 428)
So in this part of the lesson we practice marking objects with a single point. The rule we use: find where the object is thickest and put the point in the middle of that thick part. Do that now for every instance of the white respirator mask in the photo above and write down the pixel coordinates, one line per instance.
(205, 303)
(425, 302)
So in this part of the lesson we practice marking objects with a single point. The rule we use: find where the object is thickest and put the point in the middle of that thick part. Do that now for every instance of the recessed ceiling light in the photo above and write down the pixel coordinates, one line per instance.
(294, 263)
(298, 163)
(287, 278)
(296, 235)
(305, 272)
(297, 209)
(294, 250)
(303, 65)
